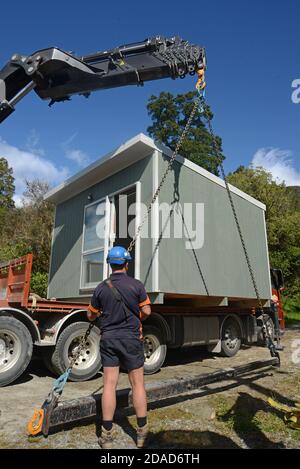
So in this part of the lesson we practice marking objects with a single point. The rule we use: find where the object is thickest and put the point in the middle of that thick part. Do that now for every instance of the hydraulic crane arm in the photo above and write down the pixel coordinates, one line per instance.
(56, 75)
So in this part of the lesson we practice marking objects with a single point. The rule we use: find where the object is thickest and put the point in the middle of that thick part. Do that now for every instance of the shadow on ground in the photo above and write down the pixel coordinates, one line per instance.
(243, 420)
(191, 439)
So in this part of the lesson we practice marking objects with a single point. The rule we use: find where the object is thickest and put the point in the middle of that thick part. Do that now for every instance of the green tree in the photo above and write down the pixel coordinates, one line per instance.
(36, 220)
(7, 190)
(282, 220)
(30, 228)
(39, 283)
(169, 115)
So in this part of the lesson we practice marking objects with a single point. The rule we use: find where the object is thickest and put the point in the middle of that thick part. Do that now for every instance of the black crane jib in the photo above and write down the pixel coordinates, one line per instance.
(56, 75)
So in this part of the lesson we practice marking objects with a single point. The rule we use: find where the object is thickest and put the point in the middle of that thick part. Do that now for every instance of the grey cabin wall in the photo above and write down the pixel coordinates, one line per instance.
(65, 265)
(172, 268)
(221, 258)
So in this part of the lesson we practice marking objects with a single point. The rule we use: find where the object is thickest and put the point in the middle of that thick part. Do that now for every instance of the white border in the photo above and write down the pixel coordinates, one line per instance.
(155, 225)
(138, 200)
(91, 251)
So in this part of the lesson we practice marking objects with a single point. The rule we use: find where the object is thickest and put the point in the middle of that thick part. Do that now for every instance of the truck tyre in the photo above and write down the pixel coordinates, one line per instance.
(15, 349)
(89, 362)
(270, 326)
(47, 355)
(155, 350)
(231, 337)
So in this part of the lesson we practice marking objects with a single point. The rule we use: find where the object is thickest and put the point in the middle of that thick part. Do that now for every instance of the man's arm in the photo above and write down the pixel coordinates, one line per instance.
(144, 304)
(94, 308)
(145, 312)
(92, 313)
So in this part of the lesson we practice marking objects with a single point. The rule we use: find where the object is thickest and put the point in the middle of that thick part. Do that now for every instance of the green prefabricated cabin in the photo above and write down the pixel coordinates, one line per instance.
(189, 247)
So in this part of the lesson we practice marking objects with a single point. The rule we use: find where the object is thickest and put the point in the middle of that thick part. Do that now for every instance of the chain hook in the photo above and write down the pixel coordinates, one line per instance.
(201, 84)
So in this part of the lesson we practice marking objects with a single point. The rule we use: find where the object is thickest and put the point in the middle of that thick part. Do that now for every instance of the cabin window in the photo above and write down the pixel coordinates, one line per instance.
(93, 245)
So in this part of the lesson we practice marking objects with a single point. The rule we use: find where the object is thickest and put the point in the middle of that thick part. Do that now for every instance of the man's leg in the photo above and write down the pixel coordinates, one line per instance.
(110, 381)
(136, 378)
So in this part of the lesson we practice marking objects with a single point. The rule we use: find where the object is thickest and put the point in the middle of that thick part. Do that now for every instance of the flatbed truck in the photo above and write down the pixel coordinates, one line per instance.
(52, 328)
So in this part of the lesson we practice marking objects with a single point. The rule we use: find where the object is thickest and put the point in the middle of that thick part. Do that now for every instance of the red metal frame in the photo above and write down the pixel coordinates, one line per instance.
(15, 278)
(54, 306)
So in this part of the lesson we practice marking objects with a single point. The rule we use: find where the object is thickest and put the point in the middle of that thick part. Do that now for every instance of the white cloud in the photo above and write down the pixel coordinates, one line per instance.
(30, 165)
(69, 140)
(32, 143)
(78, 156)
(278, 162)
(74, 154)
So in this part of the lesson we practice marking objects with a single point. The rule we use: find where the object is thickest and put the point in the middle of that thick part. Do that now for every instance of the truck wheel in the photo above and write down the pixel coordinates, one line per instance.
(155, 350)
(15, 349)
(231, 338)
(47, 355)
(89, 362)
(270, 326)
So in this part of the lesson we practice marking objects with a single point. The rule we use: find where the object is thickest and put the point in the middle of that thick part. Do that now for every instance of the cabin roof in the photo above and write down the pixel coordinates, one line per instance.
(125, 155)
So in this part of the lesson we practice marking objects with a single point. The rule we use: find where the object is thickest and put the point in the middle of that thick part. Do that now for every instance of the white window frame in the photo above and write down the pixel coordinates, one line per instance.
(109, 236)
(95, 250)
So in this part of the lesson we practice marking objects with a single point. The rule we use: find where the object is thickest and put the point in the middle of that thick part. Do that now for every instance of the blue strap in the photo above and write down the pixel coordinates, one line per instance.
(61, 381)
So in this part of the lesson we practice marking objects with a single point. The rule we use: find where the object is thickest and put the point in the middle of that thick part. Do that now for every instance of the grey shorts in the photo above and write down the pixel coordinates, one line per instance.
(127, 353)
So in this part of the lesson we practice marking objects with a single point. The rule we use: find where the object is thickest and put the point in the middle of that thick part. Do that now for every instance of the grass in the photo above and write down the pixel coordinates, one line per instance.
(291, 308)
(162, 418)
(249, 415)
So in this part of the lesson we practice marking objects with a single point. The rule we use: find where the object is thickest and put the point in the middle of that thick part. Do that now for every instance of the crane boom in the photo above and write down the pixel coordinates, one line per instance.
(56, 75)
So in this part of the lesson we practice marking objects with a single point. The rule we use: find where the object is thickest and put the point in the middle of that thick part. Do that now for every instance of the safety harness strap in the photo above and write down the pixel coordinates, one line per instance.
(118, 296)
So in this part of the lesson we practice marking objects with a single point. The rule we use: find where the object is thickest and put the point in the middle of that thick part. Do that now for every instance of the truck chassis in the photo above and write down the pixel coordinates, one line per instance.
(53, 328)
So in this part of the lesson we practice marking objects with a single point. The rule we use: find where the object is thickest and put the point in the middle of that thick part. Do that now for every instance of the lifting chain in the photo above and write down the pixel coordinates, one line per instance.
(266, 333)
(80, 347)
(198, 103)
(41, 418)
(40, 421)
(168, 169)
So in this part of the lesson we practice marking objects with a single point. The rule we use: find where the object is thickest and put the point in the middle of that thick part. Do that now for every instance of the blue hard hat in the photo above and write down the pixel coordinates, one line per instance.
(118, 255)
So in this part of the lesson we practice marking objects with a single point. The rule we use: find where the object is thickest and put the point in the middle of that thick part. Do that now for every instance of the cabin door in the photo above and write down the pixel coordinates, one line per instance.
(123, 212)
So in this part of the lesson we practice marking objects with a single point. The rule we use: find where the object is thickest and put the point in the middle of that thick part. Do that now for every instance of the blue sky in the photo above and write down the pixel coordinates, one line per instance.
(253, 57)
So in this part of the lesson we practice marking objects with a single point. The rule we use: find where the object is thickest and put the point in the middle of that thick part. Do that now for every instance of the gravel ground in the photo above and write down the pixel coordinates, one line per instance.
(231, 414)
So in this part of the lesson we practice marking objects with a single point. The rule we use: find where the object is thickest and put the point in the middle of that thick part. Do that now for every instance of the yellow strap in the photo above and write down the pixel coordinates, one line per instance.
(293, 420)
(283, 407)
(292, 414)
(279, 406)
(201, 84)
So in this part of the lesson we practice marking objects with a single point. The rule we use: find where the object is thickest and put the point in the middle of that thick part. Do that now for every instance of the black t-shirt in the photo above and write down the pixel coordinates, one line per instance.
(114, 322)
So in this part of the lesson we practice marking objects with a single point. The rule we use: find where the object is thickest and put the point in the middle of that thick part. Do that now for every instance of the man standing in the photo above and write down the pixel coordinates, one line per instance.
(122, 303)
